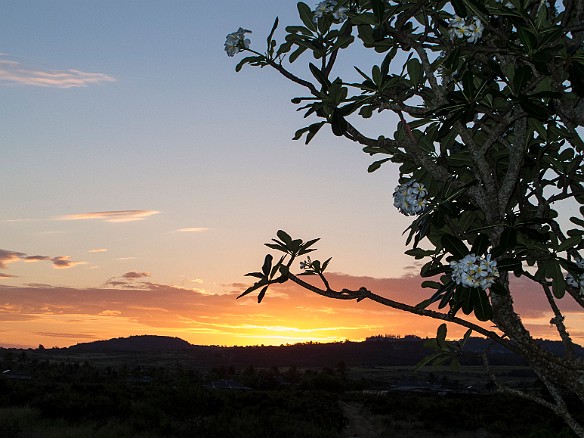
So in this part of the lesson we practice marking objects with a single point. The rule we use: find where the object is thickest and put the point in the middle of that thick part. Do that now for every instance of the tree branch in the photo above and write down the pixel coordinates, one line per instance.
(558, 321)
(363, 293)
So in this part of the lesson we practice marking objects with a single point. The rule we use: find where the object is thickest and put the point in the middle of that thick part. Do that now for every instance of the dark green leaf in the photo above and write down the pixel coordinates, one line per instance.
(480, 244)
(376, 165)
(306, 16)
(269, 39)
(378, 9)
(464, 298)
(414, 70)
(459, 8)
(553, 270)
(430, 271)
(482, 306)
(296, 53)
(262, 294)
(431, 284)
(527, 38)
(319, 75)
(569, 243)
(276, 246)
(441, 335)
(509, 264)
(284, 237)
(252, 288)
(454, 246)
(508, 239)
(338, 124)
(267, 265)
(523, 74)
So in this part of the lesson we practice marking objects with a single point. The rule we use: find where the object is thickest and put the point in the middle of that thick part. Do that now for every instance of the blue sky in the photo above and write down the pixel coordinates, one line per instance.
(135, 157)
(169, 126)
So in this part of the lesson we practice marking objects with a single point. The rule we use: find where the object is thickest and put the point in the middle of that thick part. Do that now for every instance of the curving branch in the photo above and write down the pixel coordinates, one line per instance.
(363, 293)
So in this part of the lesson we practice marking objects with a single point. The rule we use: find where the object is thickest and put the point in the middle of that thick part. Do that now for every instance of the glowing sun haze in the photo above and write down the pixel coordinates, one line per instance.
(142, 175)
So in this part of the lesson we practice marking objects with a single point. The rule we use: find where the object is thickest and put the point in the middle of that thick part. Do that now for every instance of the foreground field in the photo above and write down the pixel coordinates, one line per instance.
(58, 399)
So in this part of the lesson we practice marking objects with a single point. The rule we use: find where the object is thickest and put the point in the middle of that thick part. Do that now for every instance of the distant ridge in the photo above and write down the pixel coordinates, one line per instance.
(375, 351)
(142, 343)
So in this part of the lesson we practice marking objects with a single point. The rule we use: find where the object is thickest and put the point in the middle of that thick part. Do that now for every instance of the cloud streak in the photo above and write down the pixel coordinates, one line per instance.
(132, 304)
(13, 72)
(111, 216)
(59, 262)
(192, 230)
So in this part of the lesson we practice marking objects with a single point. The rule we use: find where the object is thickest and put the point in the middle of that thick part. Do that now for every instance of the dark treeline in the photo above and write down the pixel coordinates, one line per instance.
(63, 392)
(374, 351)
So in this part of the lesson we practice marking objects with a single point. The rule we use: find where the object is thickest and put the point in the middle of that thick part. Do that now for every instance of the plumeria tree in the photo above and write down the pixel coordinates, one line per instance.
(489, 98)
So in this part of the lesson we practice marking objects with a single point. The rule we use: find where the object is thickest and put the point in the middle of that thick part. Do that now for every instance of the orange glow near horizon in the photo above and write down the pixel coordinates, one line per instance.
(62, 317)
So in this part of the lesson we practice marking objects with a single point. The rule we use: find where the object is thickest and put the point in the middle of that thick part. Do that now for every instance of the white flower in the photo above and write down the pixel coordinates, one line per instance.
(578, 280)
(475, 271)
(410, 198)
(236, 42)
(339, 14)
(459, 28)
(475, 30)
(323, 8)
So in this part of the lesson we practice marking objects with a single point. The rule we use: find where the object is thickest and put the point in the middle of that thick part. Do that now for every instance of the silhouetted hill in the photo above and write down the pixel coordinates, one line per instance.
(144, 343)
(376, 351)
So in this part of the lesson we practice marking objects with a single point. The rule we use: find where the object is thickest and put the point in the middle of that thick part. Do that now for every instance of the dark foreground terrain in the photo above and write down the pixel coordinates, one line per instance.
(111, 392)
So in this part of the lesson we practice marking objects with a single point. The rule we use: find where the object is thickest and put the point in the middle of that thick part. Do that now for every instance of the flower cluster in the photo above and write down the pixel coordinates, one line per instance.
(475, 271)
(471, 29)
(410, 198)
(236, 42)
(330, 7)
(306, 264)
(578, 280)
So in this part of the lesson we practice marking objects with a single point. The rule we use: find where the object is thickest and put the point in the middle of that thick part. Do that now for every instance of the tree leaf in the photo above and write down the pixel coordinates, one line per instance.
(509, 264)
(378, 9)
(319, 75)
(284, 237)
(480, 244)
(454, 246)
(262, 294)
(569, 243)
(482, 306)
(306, 16)
(376, 165)
(270, 36)
(267, 265)
(296, 53)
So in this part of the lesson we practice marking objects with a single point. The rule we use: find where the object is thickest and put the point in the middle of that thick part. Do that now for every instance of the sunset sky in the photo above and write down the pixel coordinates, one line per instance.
(141, 176)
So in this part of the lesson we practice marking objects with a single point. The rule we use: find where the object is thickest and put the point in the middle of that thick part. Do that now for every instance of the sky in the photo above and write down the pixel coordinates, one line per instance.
(142, 175)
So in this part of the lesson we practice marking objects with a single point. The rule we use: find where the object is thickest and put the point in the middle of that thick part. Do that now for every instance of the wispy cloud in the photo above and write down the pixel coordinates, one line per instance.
(135, 274)
(111, 216)
(7, 221)
(9, 257)
(98, 250)
(59, 262)
(66, 335)
(192, 230)
(14, 72)
(64, 262)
